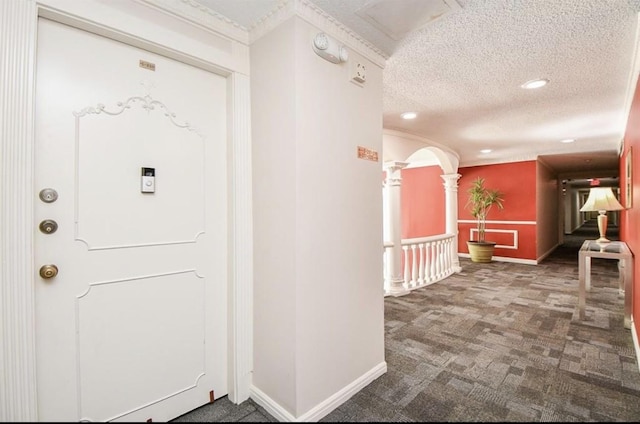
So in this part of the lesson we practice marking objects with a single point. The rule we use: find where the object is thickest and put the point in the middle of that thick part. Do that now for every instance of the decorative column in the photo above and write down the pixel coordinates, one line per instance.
(394, 282)
(17, 299)
(451, 214)
(241, 250)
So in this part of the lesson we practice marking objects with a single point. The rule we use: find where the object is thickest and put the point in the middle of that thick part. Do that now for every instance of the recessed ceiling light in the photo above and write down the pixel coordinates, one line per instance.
(537, 83)
(409, 115)
(568, 140)
(485, 151)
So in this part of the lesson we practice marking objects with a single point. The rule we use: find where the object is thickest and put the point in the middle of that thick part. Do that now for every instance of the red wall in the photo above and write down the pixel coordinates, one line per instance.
(630, 218)
(517, 180)
(423, 203)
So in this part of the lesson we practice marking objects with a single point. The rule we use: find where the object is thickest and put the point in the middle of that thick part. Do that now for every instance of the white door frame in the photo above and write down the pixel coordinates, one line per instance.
(18, 31)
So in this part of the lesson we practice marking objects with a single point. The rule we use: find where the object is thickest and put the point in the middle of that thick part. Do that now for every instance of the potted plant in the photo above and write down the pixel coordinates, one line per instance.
(481, 200)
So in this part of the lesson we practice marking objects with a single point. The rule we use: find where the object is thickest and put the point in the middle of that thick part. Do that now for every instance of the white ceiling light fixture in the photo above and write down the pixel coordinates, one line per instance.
(409, 115)
(485, 151)
(568, 140)
(536, 83)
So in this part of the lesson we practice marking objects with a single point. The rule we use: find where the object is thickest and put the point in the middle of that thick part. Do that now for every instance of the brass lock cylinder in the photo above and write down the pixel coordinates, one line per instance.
(48, 271)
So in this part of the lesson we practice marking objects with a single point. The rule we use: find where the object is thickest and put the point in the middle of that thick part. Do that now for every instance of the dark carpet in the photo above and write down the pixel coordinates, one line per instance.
(497, 342)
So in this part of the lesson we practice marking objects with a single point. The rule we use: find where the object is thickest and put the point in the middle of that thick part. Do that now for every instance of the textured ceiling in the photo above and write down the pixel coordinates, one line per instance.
(462, 74)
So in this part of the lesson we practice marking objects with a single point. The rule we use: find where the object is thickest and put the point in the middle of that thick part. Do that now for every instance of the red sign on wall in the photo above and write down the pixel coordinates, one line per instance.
(368, 154)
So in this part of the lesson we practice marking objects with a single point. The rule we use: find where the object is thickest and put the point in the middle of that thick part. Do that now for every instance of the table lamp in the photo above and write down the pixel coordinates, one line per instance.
(601, 199)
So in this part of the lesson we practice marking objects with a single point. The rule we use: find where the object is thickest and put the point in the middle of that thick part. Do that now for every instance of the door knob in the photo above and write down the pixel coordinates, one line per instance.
(48, 271)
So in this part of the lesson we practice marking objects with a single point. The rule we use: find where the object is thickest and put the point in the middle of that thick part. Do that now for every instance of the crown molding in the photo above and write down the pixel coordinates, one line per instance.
(207, 18)
(317, 17)
(202, 16)
(284, 10)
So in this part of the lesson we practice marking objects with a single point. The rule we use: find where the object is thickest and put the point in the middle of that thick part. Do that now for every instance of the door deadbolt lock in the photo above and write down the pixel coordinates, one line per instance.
(48, 271)
(48, 195)
(48, 226)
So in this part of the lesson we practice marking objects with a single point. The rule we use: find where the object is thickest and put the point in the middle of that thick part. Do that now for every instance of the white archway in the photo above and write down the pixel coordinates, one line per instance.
(398, 146)
(401, 150)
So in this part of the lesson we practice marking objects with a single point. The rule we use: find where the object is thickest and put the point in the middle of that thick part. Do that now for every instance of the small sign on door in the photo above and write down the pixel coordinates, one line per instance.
(147, 65)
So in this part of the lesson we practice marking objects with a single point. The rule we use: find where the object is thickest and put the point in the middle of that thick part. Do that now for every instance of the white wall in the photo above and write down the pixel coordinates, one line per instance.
(567, 195)
(318, 293)
(547, 210)
(573, 219)
(274, 151)
(574, 199)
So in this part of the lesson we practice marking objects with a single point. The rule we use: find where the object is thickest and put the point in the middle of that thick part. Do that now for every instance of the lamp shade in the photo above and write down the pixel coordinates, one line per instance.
(601, 199)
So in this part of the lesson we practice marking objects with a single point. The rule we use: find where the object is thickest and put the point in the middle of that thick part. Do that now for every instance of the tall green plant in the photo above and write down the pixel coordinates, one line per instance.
(481, 199)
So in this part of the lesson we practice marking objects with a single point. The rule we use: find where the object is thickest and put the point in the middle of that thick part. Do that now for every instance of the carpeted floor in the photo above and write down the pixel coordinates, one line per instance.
(497, 342)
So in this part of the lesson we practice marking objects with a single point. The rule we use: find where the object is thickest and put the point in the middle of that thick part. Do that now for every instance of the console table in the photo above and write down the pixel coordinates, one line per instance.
(612, 250)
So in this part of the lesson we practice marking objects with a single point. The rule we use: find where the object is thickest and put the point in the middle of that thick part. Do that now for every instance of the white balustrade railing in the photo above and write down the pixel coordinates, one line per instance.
(426, 260)
(386, 260)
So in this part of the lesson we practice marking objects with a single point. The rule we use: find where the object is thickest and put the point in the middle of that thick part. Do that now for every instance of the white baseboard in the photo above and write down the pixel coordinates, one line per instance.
(505, 259)
(272, 407)
(323, 408)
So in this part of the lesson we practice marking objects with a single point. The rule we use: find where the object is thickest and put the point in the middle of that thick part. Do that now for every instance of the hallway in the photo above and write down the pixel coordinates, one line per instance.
(497, 342)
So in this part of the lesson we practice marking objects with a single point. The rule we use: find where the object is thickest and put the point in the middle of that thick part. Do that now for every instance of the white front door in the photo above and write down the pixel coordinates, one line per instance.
(134, 324)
